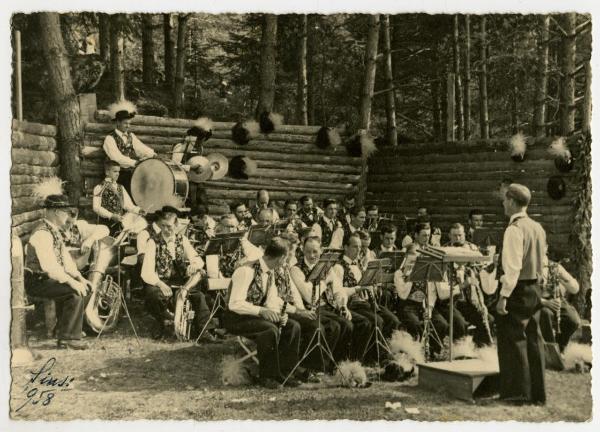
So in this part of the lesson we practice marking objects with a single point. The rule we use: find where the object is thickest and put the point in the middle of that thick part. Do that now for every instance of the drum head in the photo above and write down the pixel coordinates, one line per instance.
(152, 185)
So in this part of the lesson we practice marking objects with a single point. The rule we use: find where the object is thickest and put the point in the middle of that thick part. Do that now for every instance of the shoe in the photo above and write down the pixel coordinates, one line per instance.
(515, 401)
(307, 376)
(71, 344)
(83, 334)
(291, 382)
(208, 337)
(269, 383)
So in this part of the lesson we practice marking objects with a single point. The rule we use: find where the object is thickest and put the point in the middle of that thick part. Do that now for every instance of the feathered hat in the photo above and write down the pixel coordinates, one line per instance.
(360, 144)
(201, 128)
(556, 187)
(241, 167)
(328, 137)
(563, 160)
(518, 145)
(50, 192)
(243, 132)
(122, 110)
(269, 121)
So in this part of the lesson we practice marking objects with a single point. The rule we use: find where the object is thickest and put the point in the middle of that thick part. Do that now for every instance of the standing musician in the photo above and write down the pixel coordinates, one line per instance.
(170, 260)
(332, 230)
(358, 216)
(520, 342)
(256, 311)
(243, 216)
(51, 273)
(111, 200)
(309, 213)
(292, 218)
(123, 146)
(79, 236)
(338, 330)
(558, 318)
(262, 202)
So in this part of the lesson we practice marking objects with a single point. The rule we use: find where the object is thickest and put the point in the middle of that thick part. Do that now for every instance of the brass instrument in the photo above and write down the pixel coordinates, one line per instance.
(184, 315)
(104, 305)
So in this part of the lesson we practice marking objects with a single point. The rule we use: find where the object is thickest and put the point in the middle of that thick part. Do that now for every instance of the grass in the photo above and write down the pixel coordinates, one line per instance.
(118, 380)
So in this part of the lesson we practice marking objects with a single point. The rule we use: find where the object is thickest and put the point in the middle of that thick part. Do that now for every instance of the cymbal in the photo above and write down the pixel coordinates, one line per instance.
(200, 169)
(219, 165)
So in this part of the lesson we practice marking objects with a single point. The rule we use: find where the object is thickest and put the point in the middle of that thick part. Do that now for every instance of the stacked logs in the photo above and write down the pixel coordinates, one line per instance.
(34, 156)
(289, 163)
(450, 179)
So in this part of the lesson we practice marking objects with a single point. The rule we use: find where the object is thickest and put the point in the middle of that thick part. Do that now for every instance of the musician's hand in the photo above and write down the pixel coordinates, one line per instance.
(368, 289)
(79, 287)
(501, 306)
(269, 315)
(553, 304)
(85, 247)
(346, 313)
(165, 289)
(311, 315)
(283, 320)
(117, 218)
(194, 268)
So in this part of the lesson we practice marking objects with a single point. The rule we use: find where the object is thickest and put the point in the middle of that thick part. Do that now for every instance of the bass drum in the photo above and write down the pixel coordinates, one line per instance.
(156, 183)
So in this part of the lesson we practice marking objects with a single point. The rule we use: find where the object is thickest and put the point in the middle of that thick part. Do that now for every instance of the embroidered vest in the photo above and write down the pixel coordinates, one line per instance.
(125, 147)
(32, 262)
(310, 217)
(306, 271)
(199, 239)
(255, 294)
(418, 291)
(326, 231)
(72, 236)
(284, 284)
(112, 200)
(167, 266)
(229, 262)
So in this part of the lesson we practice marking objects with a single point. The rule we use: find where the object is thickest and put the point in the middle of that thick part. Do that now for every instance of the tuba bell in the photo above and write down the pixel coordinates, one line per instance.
(104, 305)
(184, 315)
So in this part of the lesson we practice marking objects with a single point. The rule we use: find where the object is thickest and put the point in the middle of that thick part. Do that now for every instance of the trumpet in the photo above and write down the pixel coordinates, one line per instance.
(184, 315)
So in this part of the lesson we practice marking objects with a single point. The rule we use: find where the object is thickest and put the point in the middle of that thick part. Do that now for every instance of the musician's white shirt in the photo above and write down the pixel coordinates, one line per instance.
(403, 287)
(512, 256)
(240, 282)
(42, 243)
(149, 274)
(392, 248)
(128, 204)
(305, 288)
(111, 149)
(568, 284)
(91, 232)
(335, 277)
(143, 237)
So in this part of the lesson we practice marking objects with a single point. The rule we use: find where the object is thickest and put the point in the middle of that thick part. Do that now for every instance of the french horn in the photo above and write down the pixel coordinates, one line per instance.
(184, 314)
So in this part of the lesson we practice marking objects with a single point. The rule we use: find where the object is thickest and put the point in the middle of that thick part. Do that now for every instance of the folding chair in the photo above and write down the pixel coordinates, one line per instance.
(250, 354)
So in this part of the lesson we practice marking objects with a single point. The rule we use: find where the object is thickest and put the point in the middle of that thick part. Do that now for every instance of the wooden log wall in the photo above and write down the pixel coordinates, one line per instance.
(34, 156)
(289, 164)
(450, 179)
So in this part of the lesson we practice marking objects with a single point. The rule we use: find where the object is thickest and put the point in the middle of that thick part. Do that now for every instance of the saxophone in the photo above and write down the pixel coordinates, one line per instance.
(184, 315)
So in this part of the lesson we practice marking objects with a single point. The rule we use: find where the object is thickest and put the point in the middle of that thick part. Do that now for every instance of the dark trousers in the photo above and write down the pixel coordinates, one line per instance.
(277, 354)
(334, 323)
(70, 305)
(521, 345)
(459, 323)
(125, 178)
(158, 305)
(383, 318)
(361, 328)
(412, 314)
(308, 327)
(474, 317)
(114, 227)
(569, 323)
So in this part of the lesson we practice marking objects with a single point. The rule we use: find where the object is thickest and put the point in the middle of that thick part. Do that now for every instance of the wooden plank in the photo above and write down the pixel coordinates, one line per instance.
(34, 128)
(231, 195)
(34, 215)
(34, 157)
(21, 179)
(465, 167)
(32, 142)
(25, 204)
(41, 171)
(433, 157)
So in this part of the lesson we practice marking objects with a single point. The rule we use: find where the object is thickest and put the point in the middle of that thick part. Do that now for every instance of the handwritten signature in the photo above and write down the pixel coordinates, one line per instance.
(43, 386)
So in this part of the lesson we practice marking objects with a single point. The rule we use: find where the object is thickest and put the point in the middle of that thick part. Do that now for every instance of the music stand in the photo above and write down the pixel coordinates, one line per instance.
(259, 235)
(396, 259)
(318, 340)
(483, 238)
(375, 275)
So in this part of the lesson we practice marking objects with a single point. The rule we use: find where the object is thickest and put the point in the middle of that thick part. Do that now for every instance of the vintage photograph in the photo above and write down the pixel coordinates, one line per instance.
(267, 216)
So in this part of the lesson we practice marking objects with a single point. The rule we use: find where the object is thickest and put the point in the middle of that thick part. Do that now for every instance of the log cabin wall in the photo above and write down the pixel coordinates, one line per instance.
(450, 179)
(34, 156)
(289, 164)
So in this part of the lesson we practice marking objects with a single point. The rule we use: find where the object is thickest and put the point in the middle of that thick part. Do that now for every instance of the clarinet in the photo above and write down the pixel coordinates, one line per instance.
(480, 306)
(556, 292)
(283, 308)
(313, 304)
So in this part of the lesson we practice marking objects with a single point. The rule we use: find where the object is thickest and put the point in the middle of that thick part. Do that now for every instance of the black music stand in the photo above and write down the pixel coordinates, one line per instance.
(259, 235)
(483, 238)
(429, 269)
(396, 259)
(318, 340)
(376, 274)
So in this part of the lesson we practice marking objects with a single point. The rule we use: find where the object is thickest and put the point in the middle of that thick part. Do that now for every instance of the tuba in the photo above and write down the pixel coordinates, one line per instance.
(184, 315)
(104, 305)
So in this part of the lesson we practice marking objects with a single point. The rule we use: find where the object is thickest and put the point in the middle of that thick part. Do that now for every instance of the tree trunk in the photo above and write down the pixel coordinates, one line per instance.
(311, 74)
(148, 64)
(116, 58)
(169, 49)
(268, 67)
(484, 120)
(104, 36)
(178, 90)
(302, 87)
(435, 107)
(457, 83)
(514, 102)
(451, 108)
(467, 83)
(367, 97)
(539, 115)
(63, 94)
(390, 96)
(567, 68)
(586, 115)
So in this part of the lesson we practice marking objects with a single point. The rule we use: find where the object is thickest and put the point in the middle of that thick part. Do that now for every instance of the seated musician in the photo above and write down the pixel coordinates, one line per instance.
(202, 227)
(243, 216)
(309, 213)
(344, 211)
(111, 201)
(388, 238)
(343, 280)
(170, 260)
(292, 218)
(475, 222)
(414, 298)
(245, 252)
(338, 330)
(79, 236)
(471, 307)
(262, 202)
(358, 216)
(256, 311)
(122, 146)
(372, 221)
(558, 284)
(365, 255)
(332, 231)
(51, 273)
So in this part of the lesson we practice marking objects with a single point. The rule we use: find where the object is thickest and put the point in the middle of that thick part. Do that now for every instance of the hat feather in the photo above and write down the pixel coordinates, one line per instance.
(243, 132)
(328, 137)
(122, 105)
(351, 374)
(242, 167)
(489, 355)
(253, 128)
(233, 372)
(48, 186)
(367, 145)
(269, 121)
(203, 123)
(403, 342)
(558, 148)
(464, 348)
(518, 145)
(577, 356)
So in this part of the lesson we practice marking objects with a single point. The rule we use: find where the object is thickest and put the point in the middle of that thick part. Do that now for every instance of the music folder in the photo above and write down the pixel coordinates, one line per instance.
(396, 258)
(322, 267)
(377, 272)
(224, 243)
